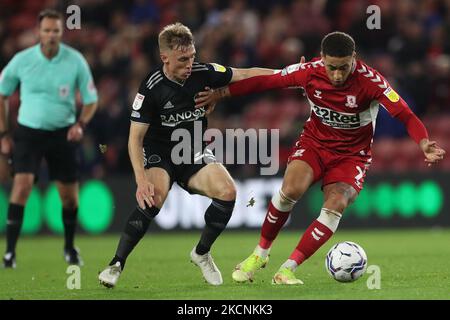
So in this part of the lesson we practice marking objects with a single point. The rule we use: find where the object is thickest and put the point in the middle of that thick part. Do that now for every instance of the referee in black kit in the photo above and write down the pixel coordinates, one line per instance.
(164, 103)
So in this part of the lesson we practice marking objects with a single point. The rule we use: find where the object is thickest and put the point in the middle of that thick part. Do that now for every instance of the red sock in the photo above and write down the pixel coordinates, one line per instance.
(313, 238)
(275, 219)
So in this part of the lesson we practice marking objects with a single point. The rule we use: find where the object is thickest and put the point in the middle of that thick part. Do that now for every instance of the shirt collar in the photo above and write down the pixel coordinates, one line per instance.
(173, 81)
(55, 58)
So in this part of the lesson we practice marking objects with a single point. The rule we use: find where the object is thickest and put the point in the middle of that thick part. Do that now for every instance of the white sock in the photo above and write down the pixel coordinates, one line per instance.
(329, 218)
(291, 264)
(263, 253)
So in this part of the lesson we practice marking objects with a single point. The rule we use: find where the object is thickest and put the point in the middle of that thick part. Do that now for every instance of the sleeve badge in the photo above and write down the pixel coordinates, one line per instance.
(219, 68)
(137, 103)
(391, 95)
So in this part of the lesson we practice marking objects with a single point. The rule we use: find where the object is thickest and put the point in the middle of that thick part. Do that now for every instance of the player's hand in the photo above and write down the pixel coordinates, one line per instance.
(210, 108)
(212, 105)
(75, 133)
(7, 144)
(206, 99)
(145, 193)
(433, 153)
(302, 60)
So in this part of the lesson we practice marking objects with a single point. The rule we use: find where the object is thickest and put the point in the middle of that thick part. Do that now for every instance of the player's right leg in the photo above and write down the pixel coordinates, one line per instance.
(22, 185)
(26, 158)
(63, 165)
(68, 193)
(341, 184)
(213, 181)
(337, 197)
(298, 177)
(137, 225)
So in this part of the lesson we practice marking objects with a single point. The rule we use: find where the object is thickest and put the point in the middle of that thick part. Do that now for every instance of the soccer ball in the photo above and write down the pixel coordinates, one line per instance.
(346, 261)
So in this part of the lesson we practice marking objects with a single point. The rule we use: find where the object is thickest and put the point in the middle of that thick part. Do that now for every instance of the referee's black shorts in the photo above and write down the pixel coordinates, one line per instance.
(62, 156)
(158, 155)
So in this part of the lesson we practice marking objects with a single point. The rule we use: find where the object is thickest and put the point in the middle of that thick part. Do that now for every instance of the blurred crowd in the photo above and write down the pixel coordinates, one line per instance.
(119, 41)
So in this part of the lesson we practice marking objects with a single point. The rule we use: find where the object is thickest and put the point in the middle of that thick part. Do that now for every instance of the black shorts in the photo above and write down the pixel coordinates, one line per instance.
(156, 155)
(31, 145)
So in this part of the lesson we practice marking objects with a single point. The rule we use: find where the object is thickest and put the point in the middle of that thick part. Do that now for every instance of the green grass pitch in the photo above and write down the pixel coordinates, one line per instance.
(414, 264)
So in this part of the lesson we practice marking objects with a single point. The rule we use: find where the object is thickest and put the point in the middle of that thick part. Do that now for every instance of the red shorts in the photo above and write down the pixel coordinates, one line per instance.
(332, 167)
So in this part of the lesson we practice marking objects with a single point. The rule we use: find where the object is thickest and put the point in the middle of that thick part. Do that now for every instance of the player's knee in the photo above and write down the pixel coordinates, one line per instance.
(159, 200)
(21, 191)
(227, 193)
(69, 202)
(219, 213)
(293, 192)
(160, 196)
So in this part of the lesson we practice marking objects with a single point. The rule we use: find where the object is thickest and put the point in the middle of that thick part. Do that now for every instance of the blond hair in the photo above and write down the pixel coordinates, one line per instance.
(175, 36)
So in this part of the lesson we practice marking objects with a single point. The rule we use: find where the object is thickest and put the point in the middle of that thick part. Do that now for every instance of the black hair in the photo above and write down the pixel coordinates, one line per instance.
(338, 44)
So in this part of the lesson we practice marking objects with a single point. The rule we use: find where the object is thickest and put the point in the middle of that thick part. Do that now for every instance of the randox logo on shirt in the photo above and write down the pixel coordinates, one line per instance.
(173, 119)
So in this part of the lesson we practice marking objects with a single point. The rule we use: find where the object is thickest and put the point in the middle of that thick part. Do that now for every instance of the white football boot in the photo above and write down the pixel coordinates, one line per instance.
(209, 269)
(110, 275)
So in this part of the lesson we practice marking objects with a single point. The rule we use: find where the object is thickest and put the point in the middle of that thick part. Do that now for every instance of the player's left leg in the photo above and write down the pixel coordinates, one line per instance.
(341, 185)
(68, 193)
(138, 222)
(337, 197)
(63, 164)
(303, 169)
(213, 181)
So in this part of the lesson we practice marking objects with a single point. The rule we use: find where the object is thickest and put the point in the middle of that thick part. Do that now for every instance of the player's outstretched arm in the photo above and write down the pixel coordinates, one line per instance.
(417, 131)
(242, 74)
(145, 189)
(254, 80)
(398, 108)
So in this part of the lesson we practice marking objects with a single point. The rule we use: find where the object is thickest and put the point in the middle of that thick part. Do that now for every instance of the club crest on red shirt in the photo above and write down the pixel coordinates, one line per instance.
(351, 102)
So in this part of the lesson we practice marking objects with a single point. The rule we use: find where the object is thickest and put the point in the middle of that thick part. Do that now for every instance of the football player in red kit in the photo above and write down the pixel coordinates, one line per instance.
(335, 145)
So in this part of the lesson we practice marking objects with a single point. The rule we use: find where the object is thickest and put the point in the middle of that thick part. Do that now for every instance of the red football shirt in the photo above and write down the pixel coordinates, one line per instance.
(342, 118)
